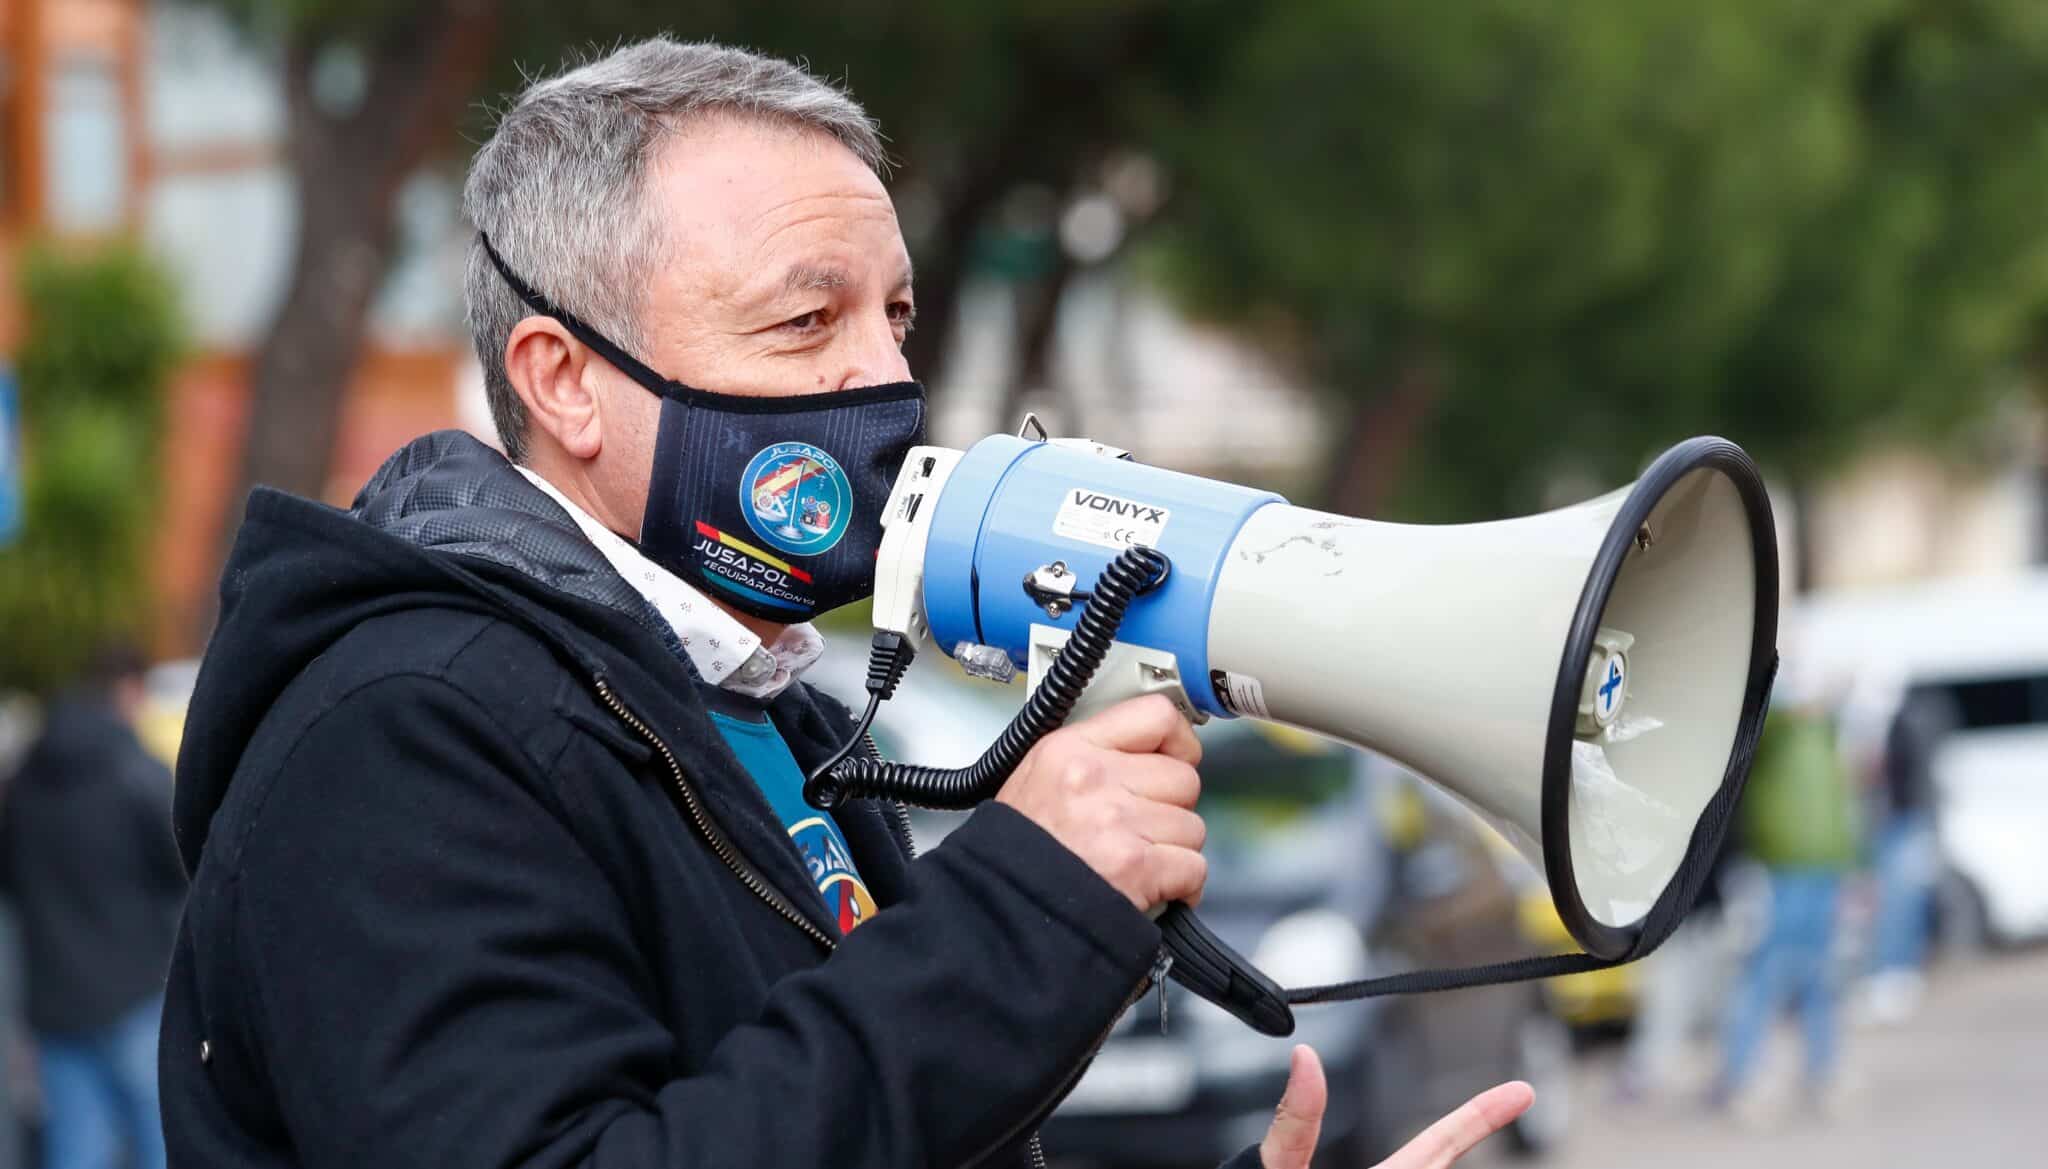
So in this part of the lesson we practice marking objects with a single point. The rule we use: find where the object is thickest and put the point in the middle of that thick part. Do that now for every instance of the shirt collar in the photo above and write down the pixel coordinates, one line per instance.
(726, 653)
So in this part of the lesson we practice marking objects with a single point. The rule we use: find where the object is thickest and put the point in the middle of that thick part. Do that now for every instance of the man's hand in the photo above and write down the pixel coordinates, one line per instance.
(1119, 791)
(1292, 1140)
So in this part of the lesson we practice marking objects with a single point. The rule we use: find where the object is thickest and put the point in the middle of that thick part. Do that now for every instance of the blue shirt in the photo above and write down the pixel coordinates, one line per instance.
(825, 855)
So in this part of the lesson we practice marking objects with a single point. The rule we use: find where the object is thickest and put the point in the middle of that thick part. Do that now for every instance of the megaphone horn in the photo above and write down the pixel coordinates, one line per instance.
(1589, 679)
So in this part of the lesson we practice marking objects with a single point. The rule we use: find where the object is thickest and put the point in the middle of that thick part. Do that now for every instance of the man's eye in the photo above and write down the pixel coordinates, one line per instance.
(903, 313)
(807, 322)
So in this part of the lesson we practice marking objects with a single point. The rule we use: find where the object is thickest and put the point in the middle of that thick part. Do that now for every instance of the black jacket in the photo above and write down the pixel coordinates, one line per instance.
(476, 883)
(86, 854)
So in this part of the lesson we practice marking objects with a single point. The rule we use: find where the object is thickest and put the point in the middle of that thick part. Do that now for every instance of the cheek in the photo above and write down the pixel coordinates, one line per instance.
(630, 437)
(643, 432)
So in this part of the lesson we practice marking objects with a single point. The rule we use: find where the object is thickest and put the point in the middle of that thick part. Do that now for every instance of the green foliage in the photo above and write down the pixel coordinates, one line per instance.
(1606, 224)
(103, 336)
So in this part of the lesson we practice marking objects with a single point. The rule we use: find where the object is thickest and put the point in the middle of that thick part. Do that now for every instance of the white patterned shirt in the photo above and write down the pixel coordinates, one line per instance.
(726, 653)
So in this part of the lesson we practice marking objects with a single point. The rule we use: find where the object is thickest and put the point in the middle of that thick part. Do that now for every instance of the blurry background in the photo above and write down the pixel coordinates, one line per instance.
(1425, 262)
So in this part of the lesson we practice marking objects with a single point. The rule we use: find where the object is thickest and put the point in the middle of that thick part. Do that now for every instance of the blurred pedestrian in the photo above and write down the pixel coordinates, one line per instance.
(1798, 819)
(87, 855)
(16, 1071)
(1906, 853)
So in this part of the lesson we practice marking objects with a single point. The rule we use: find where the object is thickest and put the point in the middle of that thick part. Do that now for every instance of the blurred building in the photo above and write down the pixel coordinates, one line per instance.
(1900, 516)
(1127, 370)
(160, 119)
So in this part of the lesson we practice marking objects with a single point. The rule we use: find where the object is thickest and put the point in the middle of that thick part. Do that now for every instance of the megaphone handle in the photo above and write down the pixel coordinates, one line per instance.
(1204, 964)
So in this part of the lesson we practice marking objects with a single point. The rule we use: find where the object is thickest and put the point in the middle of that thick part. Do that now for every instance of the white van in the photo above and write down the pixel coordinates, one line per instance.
(1982, 644)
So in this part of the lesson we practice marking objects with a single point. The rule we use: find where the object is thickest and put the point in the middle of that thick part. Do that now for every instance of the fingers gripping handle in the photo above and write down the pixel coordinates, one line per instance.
(1207, 966)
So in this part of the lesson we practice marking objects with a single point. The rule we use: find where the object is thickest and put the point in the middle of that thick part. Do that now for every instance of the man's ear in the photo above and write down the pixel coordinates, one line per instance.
(555, 377)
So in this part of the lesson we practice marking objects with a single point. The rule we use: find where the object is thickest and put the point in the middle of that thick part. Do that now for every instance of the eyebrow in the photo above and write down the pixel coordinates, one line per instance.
(817, 277)
(812, 278)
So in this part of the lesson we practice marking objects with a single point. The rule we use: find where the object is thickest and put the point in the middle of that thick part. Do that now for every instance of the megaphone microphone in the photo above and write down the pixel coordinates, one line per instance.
(1591, 680)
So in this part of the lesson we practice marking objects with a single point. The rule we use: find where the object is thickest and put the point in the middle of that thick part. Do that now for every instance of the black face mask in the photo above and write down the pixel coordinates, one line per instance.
(772, 505)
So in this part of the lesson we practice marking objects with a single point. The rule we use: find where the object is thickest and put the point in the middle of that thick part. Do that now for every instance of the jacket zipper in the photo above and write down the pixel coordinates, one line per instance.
(898, 815)
(1036, 1149)
(694, 808)
(725, 852)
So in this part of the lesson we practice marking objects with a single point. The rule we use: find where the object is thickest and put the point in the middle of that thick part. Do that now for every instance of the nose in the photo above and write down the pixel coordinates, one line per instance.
(870, 353)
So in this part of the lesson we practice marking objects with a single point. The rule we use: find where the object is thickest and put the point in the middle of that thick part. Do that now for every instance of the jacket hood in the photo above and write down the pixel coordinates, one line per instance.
(446, 522)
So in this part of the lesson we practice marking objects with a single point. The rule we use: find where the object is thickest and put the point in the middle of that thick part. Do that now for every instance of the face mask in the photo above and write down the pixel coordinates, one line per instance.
(772, 505)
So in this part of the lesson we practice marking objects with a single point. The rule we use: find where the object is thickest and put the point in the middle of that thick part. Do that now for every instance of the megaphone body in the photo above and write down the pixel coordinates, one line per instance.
(1583, 677)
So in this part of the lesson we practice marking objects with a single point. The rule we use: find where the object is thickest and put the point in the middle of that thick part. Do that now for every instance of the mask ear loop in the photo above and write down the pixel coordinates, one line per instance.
(602, 345)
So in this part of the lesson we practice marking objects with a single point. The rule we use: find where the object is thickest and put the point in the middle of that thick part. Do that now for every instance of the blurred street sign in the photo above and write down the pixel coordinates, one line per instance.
(10, 459)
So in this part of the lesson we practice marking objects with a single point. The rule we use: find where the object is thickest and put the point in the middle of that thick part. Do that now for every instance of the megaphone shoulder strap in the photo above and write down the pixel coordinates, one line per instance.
(1209, 968)
(1453, 978)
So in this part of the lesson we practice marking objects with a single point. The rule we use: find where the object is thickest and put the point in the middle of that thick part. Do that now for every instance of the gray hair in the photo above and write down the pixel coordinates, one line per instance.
(558, 188)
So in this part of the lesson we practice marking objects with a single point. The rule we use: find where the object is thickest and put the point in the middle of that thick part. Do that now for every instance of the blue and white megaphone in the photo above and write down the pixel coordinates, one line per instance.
(1589, 679)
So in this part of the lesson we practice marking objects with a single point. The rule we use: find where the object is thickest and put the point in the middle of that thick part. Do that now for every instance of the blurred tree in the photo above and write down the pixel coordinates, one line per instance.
(372, 89)
(1525, 242)
(103, 335)
(1907, 305)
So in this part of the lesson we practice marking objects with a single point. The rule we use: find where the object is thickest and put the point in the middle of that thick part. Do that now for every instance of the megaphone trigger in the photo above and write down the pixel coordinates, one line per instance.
(1204, 964)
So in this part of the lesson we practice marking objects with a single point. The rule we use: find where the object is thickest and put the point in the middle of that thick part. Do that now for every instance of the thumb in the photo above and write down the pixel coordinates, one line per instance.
(1291, 1142)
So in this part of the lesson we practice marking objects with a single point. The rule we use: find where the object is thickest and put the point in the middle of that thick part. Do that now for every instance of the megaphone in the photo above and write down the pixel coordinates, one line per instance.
(1588, 679)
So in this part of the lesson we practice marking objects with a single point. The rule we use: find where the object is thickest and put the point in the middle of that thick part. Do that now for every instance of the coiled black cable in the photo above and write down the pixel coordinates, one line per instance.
(1134, 572)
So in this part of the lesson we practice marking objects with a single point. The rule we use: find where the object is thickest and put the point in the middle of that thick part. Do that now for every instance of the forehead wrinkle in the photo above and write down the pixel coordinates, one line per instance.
(865, 205)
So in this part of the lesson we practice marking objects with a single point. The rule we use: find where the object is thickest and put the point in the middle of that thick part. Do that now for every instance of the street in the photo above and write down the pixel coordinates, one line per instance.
(1962, 1084)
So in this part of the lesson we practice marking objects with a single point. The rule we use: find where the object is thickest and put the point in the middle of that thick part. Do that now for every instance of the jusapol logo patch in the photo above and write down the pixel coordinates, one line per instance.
(831, 868)
(797, 498)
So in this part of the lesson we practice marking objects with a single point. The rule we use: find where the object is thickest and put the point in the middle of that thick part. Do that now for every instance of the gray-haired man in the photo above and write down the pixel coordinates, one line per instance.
(491, 789)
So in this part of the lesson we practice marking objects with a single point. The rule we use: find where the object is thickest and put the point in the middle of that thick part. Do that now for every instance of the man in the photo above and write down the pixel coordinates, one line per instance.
(493, 788)
(86, 854)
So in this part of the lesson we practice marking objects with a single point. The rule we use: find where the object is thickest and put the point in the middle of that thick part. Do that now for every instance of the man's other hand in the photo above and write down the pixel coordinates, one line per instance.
(1119, 791)
(1291, 1142)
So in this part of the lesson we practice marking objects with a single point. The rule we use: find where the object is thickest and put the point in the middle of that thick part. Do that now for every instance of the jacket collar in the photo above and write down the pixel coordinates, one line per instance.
(449, 494)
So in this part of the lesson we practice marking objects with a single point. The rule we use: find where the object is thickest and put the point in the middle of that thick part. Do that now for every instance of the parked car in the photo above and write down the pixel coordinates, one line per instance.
(1992, 809)
(1981, 647)
(1326, 864)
